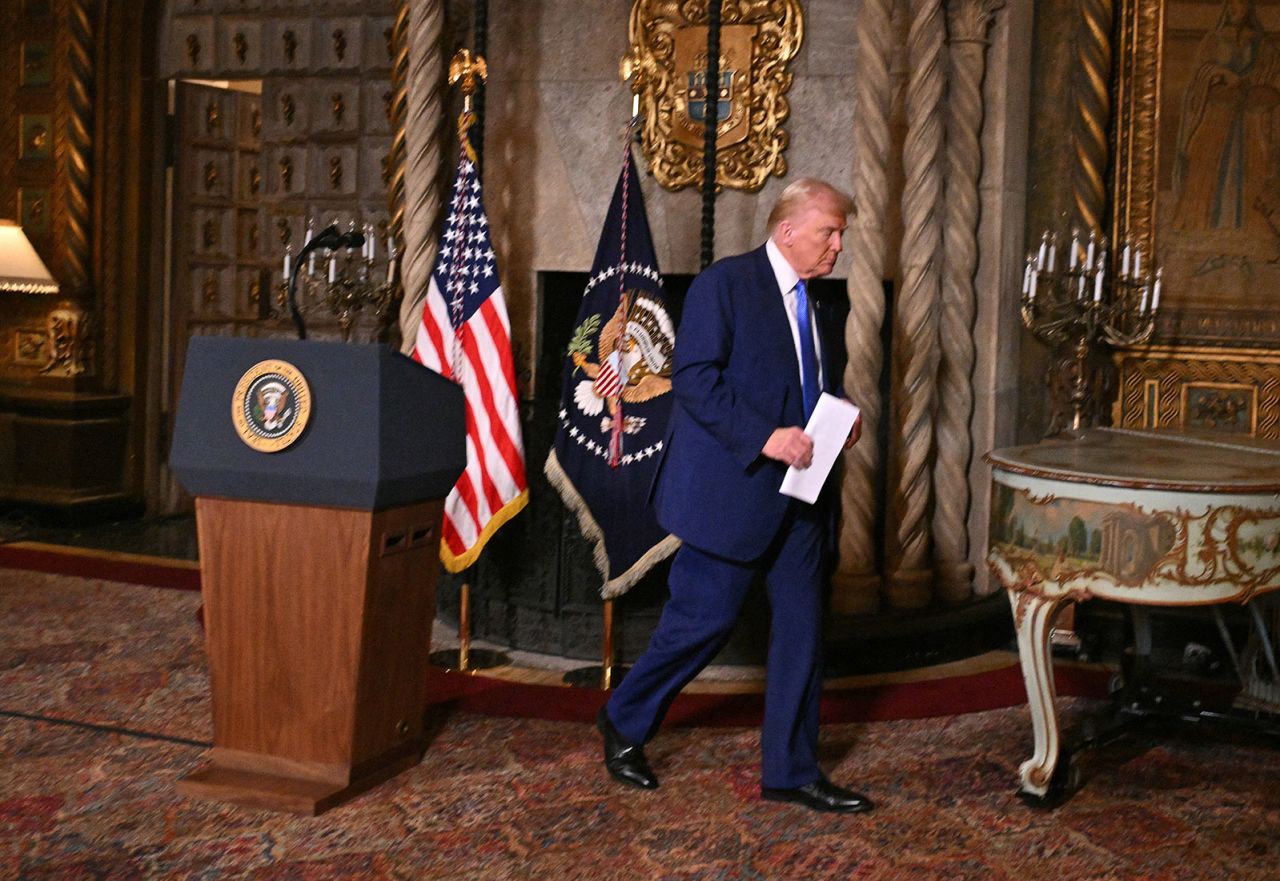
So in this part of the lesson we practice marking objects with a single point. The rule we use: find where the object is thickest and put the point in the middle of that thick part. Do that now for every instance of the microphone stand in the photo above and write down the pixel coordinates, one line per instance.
(331, 240)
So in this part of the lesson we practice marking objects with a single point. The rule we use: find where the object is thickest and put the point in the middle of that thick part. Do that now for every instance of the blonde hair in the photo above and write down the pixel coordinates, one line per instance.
(800, 193)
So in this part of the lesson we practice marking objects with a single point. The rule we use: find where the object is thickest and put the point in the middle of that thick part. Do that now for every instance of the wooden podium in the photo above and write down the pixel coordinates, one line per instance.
(318, 562)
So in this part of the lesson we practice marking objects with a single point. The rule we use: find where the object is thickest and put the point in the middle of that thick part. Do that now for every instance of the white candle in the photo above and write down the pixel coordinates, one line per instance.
(1142, 305)
(1137, 263)
(1124, 261)
(391, 269)
(311, 261)
(1155, 293)
(1098, 277)
(1075, 249)
(1044, 251)
(333, 270)
(285, 275)
(1053, 253)
(1026, 276)
(1088, 257)
(372, 241)
(1031, 294)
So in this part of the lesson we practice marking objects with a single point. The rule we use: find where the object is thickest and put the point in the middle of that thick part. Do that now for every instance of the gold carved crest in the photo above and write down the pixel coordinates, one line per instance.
(757, 40)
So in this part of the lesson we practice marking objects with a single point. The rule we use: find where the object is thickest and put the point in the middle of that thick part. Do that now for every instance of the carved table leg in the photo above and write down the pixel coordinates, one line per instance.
(1033, 615)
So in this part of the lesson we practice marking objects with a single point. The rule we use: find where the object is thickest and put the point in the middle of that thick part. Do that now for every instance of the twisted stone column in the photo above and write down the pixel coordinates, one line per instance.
(421, 108)
(398, 115)
(969, 21)
(856, 583)
(915, 315)
(77, 148)
(1092, 95)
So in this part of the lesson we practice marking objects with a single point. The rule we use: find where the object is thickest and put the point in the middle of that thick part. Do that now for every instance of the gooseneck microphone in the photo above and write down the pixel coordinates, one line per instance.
(329, 239)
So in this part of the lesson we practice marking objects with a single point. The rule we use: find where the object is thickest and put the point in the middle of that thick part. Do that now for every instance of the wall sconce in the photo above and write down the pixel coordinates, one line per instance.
(21, 269)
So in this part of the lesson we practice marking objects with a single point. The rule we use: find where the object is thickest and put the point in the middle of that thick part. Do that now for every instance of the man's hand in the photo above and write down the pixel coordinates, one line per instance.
(855, 432)
(790, 446)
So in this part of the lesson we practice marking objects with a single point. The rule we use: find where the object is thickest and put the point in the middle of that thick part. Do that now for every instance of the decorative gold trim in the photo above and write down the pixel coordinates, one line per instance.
(1140, 45)
(260, 437)
(1171, 369)
(1250, 389)
(758, 39)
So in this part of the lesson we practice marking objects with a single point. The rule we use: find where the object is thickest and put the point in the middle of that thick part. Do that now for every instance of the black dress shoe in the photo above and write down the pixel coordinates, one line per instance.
(625, 761)
(821, 795)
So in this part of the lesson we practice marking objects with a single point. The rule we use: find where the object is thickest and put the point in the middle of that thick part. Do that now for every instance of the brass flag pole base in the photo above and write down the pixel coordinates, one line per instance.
(606, 675)
(465, 659)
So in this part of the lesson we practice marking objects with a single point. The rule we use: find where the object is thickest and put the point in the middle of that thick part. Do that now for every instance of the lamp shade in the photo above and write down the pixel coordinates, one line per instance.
(21, 268)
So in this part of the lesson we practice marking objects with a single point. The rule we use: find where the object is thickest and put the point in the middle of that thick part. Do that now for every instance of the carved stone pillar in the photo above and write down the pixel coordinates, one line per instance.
(1092, 96)
(915, 316)
(969, 21)
(856, 583)
(419, 127)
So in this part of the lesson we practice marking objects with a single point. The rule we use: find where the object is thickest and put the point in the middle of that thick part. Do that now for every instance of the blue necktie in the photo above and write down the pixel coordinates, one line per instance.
(808, 356)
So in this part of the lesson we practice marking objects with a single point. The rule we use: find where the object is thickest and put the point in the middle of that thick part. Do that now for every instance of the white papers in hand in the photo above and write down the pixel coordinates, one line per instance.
(829, 426)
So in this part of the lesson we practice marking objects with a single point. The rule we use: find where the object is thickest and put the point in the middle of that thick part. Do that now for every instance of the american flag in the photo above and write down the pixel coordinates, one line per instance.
(465, 335)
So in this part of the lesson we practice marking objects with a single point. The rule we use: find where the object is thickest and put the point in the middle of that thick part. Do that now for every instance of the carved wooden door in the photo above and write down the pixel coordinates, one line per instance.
(221, 280)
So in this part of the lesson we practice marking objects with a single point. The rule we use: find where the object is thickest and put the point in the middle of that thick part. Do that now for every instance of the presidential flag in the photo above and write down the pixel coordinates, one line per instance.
(465, 335)
(615, 398)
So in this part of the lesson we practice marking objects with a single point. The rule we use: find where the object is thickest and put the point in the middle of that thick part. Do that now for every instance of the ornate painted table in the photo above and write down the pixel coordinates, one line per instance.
(1152, 518)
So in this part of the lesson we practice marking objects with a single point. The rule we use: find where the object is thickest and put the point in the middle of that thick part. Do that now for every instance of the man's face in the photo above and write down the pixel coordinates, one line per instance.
(811, 239)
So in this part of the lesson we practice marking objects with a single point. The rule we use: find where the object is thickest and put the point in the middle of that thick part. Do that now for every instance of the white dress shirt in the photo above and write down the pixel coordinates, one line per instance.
(787, 278)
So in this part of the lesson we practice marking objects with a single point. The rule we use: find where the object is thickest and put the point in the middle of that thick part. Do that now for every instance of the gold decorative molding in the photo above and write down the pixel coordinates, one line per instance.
(1137, 109)
(1199, 387)
(758, 39)
(68, 341)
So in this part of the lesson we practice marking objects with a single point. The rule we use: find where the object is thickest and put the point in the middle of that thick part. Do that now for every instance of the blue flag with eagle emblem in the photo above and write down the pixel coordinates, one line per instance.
(615, 399)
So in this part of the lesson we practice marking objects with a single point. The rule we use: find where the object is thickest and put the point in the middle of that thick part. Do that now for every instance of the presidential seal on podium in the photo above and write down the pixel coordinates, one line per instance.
(271, 406)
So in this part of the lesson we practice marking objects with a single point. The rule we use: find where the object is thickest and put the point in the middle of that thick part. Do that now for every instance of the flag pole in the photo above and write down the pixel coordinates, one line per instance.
(606, 654)
(470, 70)
(629, 70)
(464, 627)
(711, 118)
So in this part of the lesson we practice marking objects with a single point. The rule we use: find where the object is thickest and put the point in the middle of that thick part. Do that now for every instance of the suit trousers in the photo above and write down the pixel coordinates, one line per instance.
(707, 594)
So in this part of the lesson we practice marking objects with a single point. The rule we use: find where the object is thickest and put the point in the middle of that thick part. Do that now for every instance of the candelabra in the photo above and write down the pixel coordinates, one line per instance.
(338, 280)
(1082, 309)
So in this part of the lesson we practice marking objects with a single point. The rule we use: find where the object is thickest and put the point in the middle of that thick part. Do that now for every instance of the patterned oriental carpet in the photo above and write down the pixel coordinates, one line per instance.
(104, 704)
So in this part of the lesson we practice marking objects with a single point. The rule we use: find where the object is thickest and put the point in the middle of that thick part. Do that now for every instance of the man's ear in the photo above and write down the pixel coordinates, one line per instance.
(784, 232)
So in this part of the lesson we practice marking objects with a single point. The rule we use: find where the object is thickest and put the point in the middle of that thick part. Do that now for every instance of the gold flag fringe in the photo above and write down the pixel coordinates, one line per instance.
(611, 589)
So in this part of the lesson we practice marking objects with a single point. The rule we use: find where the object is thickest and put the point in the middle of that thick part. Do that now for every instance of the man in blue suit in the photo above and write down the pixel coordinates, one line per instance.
(748, 371)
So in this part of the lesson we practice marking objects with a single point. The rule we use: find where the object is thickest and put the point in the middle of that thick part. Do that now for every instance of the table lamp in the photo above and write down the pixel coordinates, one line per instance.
(21, 269)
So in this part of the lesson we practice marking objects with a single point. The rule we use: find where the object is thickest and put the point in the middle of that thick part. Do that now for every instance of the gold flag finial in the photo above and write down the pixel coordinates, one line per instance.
(629, 69)
(467, 67)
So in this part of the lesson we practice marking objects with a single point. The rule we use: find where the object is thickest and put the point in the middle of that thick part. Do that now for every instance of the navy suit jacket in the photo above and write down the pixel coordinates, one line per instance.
(736, 379)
